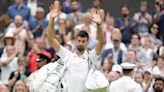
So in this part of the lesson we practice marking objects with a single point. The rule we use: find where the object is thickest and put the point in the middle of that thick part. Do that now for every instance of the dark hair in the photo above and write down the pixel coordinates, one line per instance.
(161, 57)
(159, 79)
(83, 34)
(124, 5)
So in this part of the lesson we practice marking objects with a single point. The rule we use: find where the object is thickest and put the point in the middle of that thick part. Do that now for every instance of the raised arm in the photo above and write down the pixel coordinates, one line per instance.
(54, 12)
(100, 34)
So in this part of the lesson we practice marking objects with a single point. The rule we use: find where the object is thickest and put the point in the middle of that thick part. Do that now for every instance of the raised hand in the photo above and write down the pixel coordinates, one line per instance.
(96, 16)
(54, 11)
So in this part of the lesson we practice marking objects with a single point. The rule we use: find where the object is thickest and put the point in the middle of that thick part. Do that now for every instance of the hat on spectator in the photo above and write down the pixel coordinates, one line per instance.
(9, 35)
(117, 68)
(128, 66)
(42, 57)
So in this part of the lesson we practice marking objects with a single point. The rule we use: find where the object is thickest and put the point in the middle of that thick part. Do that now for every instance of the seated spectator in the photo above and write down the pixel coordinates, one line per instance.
(20, 87)
(32, 55)
(143, 19)
(146, 53)
(37, 26)
(153, 36)
(20, 74)
(19, 8)
(42, 60)
(112, 76)
(4, 23)
(132, 57)
(159, 69)
(138, 77)
(135, 42)
(9, 40)
(118, 69)
(107, 66)
(158, 85)
(8, 63)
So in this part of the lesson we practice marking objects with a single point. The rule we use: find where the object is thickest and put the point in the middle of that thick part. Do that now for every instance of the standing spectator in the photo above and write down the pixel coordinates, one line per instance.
(143, 19)
(125, 83)
(159, 17)
(32, 5)
(62, 15)
(126, 25)
(146, 53)
(109, 28)
(37, 26)
(116, 52)
(8, 63)
(19, 8)
(67, 6)
(76, 16)
(20, 33)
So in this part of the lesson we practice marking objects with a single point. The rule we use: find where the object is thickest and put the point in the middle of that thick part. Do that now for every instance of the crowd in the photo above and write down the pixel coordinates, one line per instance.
(137, 39)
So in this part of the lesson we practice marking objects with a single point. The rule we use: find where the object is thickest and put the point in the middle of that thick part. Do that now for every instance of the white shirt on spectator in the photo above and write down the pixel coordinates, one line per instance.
(78, 69)
(7, 70)
(125, 84)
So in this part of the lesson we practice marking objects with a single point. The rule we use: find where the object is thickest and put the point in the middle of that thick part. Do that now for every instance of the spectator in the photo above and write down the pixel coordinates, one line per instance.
(20, 74)
(153, 36)
(118, 69)
(159, 69)
(126, 25)
(138, 77)
(32, 5)
(32, 54)
(146, 53)
(109, 28)
(9, 63)
(5, 22)
(135, 42)
(76, 16)
(3, 88)
(19, 9)
(107, 66)
(19, 87)
(20, 33)
(132, 57)
(143, 19)
(116, 52)
(37, 26)
(112, 76)
(159, 17)
(42, 60)
(158, 85)
(62, 15)
(9, 40)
